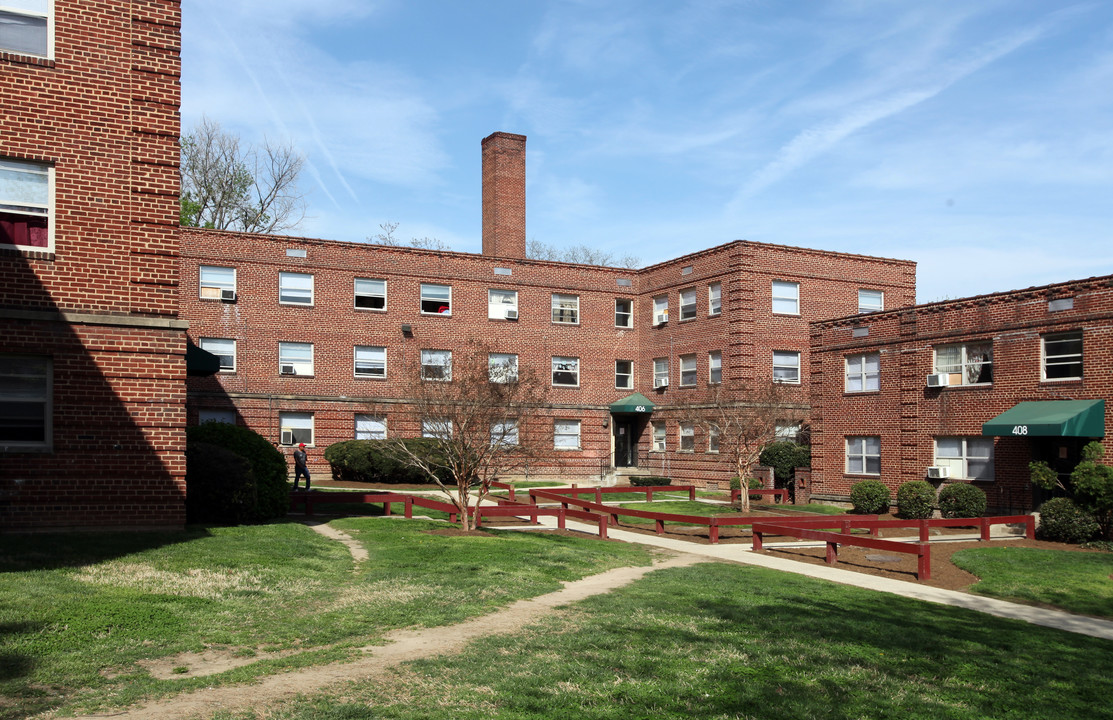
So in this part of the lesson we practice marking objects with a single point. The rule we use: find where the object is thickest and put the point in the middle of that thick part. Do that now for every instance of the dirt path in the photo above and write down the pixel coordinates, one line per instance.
(402, 645)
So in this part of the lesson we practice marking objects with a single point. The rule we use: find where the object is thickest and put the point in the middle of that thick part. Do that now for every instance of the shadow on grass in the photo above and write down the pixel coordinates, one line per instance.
(15, 665)
(50, 551)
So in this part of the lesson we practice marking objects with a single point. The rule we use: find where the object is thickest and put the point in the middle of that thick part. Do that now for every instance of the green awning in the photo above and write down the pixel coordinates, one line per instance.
(1050, 418)
(636, 403)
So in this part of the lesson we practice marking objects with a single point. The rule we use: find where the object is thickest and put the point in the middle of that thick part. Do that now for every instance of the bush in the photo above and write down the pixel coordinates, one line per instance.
(649, 481)
(751, 483)
(374, 461)
(870, 497)
(1063, 521)
(915, 500)
(784, 457)
(220, 485)
(272, 493)
(959, 500)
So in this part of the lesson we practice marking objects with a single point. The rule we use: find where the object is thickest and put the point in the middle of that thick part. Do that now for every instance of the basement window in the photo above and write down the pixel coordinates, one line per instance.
(26, 391)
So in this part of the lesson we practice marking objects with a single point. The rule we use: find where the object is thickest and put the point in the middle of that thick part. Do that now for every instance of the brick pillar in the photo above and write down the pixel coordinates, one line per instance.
(803, 494)
(504, 195)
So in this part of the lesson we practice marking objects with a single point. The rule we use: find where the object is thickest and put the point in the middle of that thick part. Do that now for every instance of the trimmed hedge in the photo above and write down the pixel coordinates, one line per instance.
(373, 461)
(751, 483)
(649, 481)
(784, 457)
(959, 500)
(220, 485)
(915, 500)
(870, 497)
(1063, 521)
(272, 492)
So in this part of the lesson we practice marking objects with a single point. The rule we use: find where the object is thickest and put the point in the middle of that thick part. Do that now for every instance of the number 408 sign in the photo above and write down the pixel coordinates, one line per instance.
(1020, 430)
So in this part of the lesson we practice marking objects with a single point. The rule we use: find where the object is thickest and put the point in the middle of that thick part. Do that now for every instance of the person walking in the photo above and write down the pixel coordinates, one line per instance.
(300, 466)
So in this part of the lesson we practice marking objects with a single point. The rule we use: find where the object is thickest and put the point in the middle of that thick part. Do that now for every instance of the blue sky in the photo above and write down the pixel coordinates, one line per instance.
(973, 138)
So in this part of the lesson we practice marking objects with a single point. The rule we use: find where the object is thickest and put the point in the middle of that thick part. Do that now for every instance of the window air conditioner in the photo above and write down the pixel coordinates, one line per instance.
(661, 318)
(937, 472)
(289, 370)
(287, 437)
(511, 314)
(660, 382)
(228, 295)
(938, 380)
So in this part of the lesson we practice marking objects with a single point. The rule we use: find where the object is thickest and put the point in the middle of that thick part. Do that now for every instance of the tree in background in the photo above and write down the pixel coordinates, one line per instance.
(537, 250)
(385, 236)
(228, 187)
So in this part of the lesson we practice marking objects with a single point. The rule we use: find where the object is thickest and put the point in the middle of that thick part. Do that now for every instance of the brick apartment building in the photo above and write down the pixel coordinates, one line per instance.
(92, 368)
(966, 390)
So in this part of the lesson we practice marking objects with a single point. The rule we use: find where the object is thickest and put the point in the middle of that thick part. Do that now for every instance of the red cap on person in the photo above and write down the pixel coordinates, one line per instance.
(301, 444)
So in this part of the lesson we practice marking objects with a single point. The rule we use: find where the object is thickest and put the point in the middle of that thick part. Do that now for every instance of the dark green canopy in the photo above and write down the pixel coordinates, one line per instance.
(636, 403)
(1050, 418)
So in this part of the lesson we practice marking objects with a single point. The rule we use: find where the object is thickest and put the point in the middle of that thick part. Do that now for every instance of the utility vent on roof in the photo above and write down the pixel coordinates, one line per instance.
(295, 252)
(503, 271)
(1060, 304)
(860, 332)
(625, 282)
(686, 270)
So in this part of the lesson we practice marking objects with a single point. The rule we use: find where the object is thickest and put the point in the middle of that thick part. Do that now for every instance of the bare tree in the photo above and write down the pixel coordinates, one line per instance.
(743, 420)
(475, 405)
(385, 236)
(228, 187)
(583, 254)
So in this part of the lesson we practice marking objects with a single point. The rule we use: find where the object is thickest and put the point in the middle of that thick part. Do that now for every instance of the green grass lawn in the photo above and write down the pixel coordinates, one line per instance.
(721, 641)
(1075, 581)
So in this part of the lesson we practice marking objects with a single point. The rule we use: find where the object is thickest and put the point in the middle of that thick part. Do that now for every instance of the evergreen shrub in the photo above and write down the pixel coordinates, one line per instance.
(960, 500)
(1063, 521)
(272, 492)
(870, 497)
(915, 500)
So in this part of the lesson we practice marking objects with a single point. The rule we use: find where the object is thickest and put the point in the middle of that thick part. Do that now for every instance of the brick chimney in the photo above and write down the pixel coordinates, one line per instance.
(504, 195)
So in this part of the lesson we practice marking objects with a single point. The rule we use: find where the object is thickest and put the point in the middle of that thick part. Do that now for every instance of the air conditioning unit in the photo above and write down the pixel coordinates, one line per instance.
(287, 437)
(661, 318)
(938, 380)
(937, 472)
(660, 382)
(511, 314)
(289, 370)
(228, 295)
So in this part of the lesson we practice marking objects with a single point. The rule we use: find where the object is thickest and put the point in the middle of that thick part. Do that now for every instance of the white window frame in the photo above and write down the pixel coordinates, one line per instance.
(686, 437)
(504, 433)
(436, 365)
(714, 438)
(715, 367)
(714, 299)
(688, 302)
(785, 361)
(432, 293)
(566, 434)
(371, 289)
(623, 318)
(960, 458)
(46, 14)
(373, 357)
(660, 309)
(660, 369)
(436, 428)
(293, 290)
(299, 425)
(786, 297)
(216, 415)
(689, 374)
(35, 206)
(859, 377)
(369, 427)
(787, 430)
(566, 306)
(658, 436)
(29, 383)
(502, 367)
(565, 364)
(871, 300)
(499, 302)
(222, 348)
(1060, 359)
(968, 369)
(859, 455)
(212, 279)
(628, 375)
(294, 353)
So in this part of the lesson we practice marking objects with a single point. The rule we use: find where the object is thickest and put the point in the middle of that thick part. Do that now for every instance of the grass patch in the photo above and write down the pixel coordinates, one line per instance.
(720, 641)
(817, 508)
(1074, 581)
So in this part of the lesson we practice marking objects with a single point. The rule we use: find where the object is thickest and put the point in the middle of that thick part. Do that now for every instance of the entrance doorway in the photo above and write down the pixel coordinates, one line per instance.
(625, 441)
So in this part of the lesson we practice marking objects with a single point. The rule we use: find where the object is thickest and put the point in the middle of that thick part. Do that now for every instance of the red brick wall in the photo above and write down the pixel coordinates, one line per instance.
(504, 195)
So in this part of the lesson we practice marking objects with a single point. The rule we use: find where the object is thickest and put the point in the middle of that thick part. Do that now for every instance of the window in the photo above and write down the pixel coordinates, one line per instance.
(715, 367)
(688, 304)
(438, 428)
(660, 372)
(436, 365)
(566, 309)
(504, 432)
(227, 417)
(969, 364)
(502, 304)
(370, 294)
(863, 372)
(295, 288)
(624, 313)
(687, 437)
(27, 27)
(370, 361)
(660, 310)
(216, 282)
(295, 428)
(787, 430)
(659, 435)
(969, 458)
(225, 351)
(624, 374)
(713, 435)
(502, 367)
(786, 298)
(370, 427)
(687, 370)
(436, 299)
(1062, 356)
(295, 358)
(863, 455)
(566, 434)
(25, 402)
(26, 190)
(714, 299)
(566, 371)
(870, 301)
(786, 366)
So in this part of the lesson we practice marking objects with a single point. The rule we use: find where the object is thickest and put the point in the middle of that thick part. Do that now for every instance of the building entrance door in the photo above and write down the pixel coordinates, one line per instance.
(625, 443)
